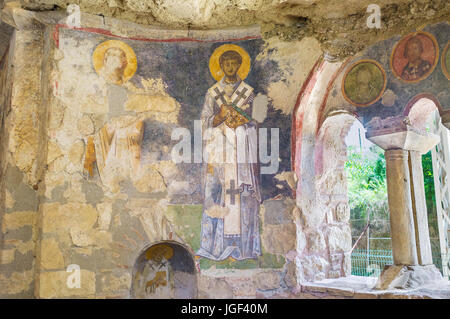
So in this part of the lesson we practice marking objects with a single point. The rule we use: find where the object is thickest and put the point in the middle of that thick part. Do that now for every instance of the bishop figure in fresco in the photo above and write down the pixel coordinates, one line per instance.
(417, 67)
(231, 189)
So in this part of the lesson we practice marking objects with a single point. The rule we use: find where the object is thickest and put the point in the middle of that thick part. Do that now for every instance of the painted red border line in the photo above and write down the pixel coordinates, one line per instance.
(109, 33)
(297, 104)
(320, 118)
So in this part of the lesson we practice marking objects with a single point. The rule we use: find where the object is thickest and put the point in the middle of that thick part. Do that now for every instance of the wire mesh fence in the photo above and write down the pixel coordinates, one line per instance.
(370, 263)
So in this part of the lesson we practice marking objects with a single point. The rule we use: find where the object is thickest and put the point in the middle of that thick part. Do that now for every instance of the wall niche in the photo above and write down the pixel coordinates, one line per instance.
(164, 270)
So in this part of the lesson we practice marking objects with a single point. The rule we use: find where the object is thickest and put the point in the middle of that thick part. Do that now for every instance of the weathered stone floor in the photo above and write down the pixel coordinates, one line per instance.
(357, 287)
(262, 284)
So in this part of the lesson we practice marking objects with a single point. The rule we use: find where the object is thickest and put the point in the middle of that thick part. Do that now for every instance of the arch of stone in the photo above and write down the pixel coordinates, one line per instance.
(91, 204)
(396, 123)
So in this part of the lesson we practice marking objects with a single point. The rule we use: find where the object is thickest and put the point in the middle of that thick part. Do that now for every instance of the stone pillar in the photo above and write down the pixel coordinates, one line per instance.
(419, 205)
(400, 207)
(404, 146)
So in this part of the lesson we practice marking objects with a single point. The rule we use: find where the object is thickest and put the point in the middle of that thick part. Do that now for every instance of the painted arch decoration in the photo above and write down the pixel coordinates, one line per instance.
(416, 64)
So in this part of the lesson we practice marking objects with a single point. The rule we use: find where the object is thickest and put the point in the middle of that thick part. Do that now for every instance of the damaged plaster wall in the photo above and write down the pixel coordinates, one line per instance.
(23, 118)
(103, 225)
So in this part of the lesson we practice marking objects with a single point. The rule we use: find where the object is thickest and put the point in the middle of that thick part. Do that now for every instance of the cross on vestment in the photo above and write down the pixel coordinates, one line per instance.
(240, 95)
(232, 192)
(220, 95)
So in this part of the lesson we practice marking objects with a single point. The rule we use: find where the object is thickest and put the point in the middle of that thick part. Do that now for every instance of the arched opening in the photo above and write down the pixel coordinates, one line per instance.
(319, 157)
(352, 182)
(368, 201)
(165, 270)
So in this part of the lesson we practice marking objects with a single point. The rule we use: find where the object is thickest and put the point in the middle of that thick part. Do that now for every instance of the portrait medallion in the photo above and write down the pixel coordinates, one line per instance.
(364, 82)
(414, 57)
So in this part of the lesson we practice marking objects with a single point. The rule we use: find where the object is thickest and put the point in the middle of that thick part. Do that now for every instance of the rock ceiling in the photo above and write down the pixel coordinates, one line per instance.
(339, 25)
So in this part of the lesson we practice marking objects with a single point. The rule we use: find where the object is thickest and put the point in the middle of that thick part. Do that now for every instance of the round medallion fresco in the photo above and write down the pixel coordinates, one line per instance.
(364, 82)
(414, 57)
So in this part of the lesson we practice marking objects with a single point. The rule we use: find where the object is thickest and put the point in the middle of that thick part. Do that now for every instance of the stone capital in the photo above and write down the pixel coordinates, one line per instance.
(397, 133)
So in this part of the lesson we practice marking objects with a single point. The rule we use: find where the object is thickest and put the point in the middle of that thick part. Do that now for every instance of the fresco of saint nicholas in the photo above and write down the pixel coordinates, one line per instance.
(231, 188)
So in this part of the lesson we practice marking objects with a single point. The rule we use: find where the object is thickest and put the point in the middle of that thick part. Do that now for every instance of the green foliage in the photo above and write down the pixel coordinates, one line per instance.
(367, 193)
(366, 176)
(429, 183)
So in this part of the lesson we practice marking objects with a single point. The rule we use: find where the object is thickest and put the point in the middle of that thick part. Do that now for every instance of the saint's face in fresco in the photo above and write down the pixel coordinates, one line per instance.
(414, 56)
(230, 62)
(416, 67)
(364, 83)
(115, 61)
(114, 64)
(365, 89)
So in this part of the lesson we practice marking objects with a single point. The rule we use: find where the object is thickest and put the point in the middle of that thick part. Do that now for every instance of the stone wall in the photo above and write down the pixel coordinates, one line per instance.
(21, 164)
(66, 202)
(60, 211)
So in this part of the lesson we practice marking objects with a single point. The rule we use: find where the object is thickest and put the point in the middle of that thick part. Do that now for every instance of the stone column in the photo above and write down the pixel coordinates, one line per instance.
(404, 146)
(400, 207)
(419, 205)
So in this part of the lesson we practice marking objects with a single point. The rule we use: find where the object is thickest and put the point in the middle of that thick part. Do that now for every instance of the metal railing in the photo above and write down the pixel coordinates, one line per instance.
(370, 263)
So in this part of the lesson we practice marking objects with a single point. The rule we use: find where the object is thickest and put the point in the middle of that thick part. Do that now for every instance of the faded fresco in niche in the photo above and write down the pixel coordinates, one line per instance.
(415, 56)
(164, 271)
(364, 83)
(445, 61)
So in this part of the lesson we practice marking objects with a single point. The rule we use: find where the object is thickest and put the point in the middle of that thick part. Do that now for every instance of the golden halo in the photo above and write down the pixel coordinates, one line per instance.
(214, 65)
(159, 250)
(99, 54)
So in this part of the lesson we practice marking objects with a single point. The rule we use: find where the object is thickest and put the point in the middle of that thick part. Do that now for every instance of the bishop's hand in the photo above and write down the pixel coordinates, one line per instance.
(224, 110)
(221, 115)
